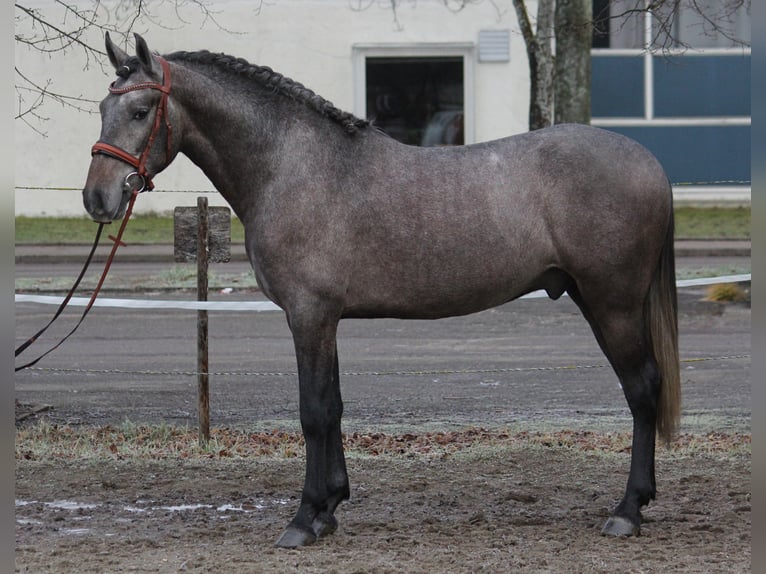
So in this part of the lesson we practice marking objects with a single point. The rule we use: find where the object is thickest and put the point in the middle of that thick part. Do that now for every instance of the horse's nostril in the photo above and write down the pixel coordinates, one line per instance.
(94, 204)
(91, 201)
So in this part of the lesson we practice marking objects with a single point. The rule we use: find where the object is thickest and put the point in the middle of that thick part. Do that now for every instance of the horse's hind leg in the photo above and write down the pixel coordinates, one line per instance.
(622, 334)
(326, 483)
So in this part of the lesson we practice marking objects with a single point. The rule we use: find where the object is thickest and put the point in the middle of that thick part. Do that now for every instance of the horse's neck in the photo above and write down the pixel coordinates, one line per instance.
(224, 138)
(242, 149)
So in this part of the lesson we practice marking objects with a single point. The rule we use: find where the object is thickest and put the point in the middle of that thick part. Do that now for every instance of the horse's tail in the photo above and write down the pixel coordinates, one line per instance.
(662, 317)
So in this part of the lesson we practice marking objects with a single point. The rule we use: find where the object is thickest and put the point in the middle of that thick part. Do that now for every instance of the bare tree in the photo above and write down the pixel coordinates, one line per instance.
(572, 73)
(560, 76)
(539, 43)
(559, 70)
(394, 5)
(670, 18)
(63, 27)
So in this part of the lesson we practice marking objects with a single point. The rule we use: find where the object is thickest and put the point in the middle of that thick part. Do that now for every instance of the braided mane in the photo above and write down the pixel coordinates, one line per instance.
(274, 81)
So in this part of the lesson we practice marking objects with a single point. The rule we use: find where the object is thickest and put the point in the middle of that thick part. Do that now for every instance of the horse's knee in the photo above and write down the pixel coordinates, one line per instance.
(318, 419)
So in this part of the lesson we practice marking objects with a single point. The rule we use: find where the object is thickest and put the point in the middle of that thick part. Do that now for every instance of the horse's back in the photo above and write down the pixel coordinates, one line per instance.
(413, 232)
(460, 229)
(571, 162)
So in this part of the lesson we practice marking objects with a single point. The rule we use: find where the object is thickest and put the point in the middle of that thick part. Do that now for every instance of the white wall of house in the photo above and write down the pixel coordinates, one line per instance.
(316, 42)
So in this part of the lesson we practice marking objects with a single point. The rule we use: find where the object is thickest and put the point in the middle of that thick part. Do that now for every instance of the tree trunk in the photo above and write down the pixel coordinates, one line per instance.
(572, 76)
(540, 54)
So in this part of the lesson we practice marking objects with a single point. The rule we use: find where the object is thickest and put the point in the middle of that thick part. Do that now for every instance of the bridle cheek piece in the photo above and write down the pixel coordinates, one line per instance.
(160, 113)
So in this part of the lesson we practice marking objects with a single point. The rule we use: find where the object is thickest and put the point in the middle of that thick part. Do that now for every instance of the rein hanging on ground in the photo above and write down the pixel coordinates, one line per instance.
(160, 113)
(146, 184)
(117, 242)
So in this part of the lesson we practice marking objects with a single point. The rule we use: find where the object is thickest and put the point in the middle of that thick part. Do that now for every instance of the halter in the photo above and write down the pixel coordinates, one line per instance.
(160, 113)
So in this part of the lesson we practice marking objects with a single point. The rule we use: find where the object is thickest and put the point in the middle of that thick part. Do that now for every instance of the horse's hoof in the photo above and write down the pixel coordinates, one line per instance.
(324, 524)
(294, 537)
(619, 526)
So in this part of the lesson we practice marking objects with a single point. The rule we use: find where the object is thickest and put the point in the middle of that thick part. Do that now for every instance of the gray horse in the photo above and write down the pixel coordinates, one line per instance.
(343, 221)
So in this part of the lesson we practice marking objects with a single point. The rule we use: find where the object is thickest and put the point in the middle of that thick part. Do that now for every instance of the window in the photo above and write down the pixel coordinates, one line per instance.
(418, 101)
(677, 79)
(687, 23)
(416, 95)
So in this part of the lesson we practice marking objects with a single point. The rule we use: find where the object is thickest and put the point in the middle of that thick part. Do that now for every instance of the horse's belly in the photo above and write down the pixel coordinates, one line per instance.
(451, 296)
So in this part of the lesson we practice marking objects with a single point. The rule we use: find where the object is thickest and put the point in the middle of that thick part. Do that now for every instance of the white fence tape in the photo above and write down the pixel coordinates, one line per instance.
(261, 306)
(152, 303)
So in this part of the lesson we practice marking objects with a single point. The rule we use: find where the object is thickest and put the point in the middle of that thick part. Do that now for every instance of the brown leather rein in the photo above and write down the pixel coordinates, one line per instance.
(146, 184)
(117, 242)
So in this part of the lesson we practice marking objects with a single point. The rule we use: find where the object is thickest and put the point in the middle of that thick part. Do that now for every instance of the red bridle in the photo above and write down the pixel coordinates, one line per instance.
(140, 164)
(161, 112)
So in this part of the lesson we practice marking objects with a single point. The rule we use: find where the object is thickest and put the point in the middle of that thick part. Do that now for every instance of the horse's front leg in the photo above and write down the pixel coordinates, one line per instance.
(326, 483)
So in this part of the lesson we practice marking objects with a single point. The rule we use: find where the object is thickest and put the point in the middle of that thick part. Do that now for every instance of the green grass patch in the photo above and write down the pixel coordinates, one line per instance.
(691, 223)
(179, 276)
(146, 229)
(712, 223)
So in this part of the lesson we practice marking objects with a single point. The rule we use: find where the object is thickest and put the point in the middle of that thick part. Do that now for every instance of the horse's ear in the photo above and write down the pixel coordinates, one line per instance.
(116, 55)
(145, 56)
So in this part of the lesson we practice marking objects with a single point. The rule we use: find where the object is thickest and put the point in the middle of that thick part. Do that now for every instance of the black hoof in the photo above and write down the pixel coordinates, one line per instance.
(619, 526)
(324, 524)
(294, 537)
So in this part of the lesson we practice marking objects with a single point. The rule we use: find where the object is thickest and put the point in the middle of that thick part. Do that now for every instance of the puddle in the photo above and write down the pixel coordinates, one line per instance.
(59, 504)
(146, 505)
(75, 530)
(183, 507)
(70, 505)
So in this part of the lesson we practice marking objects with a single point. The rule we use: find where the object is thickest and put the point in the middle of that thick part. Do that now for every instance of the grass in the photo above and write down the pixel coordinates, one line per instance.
(726, 292)
(45, 441)
(712, 223)
(142, 229)
(179, 276)
(691, 223)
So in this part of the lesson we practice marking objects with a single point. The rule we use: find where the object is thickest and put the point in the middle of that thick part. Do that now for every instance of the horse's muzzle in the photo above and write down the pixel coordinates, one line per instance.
(102, 207)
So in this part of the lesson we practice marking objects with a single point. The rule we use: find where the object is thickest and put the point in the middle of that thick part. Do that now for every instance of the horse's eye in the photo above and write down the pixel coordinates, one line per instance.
(140, 114)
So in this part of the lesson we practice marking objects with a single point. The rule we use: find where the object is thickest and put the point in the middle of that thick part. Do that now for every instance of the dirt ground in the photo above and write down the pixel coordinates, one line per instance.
(464, 499)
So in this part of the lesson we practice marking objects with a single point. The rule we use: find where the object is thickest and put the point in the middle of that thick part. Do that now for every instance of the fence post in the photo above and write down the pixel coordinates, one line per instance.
(203, 380)
(202, 234)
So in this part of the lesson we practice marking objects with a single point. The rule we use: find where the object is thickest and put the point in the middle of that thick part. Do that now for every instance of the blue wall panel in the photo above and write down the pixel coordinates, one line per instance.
(698, 155)
(701, 86)
(617, 86)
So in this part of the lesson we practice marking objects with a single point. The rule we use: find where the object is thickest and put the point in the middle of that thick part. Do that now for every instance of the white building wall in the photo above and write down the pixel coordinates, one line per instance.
(311, 41)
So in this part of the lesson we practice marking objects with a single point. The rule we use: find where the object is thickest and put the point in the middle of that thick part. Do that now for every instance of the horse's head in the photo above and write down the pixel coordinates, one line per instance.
(135, 142)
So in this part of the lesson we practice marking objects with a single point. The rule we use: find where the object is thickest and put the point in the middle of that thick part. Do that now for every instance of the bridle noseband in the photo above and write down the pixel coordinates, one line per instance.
(160, 113)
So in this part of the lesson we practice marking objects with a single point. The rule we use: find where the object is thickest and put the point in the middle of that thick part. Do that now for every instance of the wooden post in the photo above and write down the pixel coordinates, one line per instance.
(202, 234)
(203, 381)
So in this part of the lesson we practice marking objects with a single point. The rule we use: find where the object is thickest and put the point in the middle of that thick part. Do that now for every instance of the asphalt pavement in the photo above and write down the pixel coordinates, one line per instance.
(527, 364)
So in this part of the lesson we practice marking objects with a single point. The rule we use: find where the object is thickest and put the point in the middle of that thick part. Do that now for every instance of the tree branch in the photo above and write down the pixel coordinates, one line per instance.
(61, 25)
